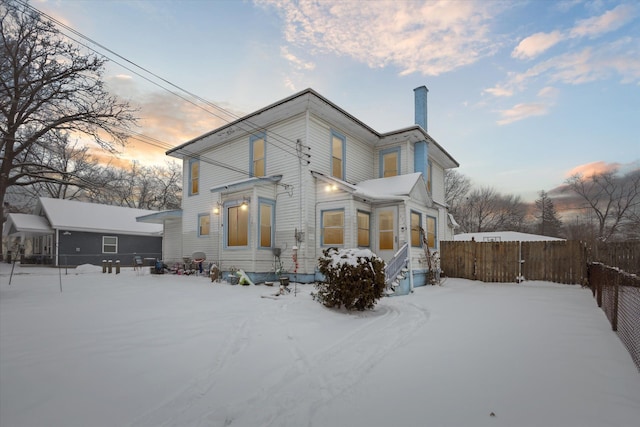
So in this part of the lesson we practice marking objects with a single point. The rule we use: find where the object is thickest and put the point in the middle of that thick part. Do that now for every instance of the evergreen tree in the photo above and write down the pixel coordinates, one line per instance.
(549, 224)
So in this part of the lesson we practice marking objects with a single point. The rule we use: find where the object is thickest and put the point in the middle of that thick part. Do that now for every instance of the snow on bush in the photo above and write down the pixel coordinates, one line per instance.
(353, 278)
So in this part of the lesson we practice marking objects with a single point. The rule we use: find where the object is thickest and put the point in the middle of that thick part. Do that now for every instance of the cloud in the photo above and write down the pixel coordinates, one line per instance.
(297, 62)
(618, 58)
(611, 20)
(522, 111)
(427, 37)
(593, 168)
(536, 44)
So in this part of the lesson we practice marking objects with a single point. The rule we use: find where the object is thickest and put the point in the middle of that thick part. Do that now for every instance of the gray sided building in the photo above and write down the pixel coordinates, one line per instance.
(71, 233)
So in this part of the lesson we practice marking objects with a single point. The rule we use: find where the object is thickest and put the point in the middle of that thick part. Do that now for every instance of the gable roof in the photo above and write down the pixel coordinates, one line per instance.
(394, 188)
(308, 99)
(399, 185)
(94, 217)
(26, 223)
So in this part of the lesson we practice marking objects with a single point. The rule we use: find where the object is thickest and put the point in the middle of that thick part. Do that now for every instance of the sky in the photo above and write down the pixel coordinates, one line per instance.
(523, 94)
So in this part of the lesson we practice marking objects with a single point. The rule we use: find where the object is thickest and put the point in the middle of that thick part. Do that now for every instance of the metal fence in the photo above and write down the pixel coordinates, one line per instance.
(618, 294)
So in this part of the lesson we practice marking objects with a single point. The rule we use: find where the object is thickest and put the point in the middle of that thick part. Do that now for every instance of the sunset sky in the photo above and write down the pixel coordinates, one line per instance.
(521, 93)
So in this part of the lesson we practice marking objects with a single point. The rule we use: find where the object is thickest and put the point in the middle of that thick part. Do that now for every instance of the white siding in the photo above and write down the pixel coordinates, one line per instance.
(299, 199)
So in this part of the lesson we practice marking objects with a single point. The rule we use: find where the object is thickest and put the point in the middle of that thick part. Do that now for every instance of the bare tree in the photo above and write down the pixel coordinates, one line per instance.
(456, 187)
(65, 169)
(611, 197)
(142, 187)
(485, 209)
(48, 88)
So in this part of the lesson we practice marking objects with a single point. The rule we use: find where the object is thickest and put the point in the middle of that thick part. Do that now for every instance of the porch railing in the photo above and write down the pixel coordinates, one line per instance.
(396, 264)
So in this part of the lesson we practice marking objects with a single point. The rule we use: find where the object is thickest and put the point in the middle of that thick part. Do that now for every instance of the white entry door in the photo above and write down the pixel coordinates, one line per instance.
(387, 229)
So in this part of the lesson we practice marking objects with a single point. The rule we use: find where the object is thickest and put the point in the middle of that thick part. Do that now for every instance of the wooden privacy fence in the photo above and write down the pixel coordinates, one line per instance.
(553, 261)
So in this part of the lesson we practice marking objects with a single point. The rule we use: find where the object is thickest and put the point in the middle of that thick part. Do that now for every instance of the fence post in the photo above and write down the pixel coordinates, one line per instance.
(614, 317)
(599, 284)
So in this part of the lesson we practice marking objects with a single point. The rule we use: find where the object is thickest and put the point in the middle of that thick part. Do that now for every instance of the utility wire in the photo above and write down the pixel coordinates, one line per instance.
(252, 126)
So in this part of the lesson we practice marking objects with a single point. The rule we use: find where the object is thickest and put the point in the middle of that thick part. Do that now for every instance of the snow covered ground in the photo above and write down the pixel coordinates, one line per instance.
(147, 350)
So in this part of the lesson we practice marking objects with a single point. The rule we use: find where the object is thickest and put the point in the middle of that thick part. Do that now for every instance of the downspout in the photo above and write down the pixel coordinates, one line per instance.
(302, 249)
(57, 248)
(407, 231)
(254, 209)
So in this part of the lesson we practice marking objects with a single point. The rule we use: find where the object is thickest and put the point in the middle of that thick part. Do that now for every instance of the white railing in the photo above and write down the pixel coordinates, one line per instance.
(396, 264)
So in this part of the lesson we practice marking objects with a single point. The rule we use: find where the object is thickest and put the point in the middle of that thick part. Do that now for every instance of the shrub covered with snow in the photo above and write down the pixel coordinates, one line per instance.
(353, 278)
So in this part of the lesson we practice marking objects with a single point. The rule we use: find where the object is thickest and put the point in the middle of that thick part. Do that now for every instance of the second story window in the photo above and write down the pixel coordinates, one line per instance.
(429, 175)
(390, 162)
(194, 176)
(258, 155)
(337, 155)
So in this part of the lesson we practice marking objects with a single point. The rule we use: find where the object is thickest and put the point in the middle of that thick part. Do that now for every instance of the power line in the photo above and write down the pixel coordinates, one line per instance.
(252, 126)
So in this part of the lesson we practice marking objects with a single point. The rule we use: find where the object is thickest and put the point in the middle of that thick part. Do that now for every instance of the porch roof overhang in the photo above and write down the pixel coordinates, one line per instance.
(160, 217)
(355, 191)
(26, 224)
(246, 183)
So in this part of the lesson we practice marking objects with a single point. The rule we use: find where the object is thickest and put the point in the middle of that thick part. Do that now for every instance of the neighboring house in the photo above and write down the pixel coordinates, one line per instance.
(71, 233)
(503, 236)
(302, 175)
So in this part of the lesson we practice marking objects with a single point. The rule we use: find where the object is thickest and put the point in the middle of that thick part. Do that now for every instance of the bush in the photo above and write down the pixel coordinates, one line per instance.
(353, 278)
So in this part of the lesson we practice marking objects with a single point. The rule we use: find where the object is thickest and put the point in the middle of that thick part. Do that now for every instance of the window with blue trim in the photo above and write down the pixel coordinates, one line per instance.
(194, 176)
(338, 149)
(390, 162)
(204, 224)
(332, 223)
(431, 232)
(237, 224)
(266, 220)
(364, 229)
(416, 229)
(258, 154)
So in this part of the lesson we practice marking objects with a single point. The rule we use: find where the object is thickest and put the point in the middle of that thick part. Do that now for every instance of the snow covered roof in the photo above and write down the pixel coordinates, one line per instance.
(247, 183)
(503, 236)
(396, 188)
(160, 217)
(399, 185)
(26, 223)
(94, 217)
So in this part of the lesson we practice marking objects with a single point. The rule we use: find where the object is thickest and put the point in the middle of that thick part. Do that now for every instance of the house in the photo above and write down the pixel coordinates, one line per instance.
(71, 233)
(270, 191)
